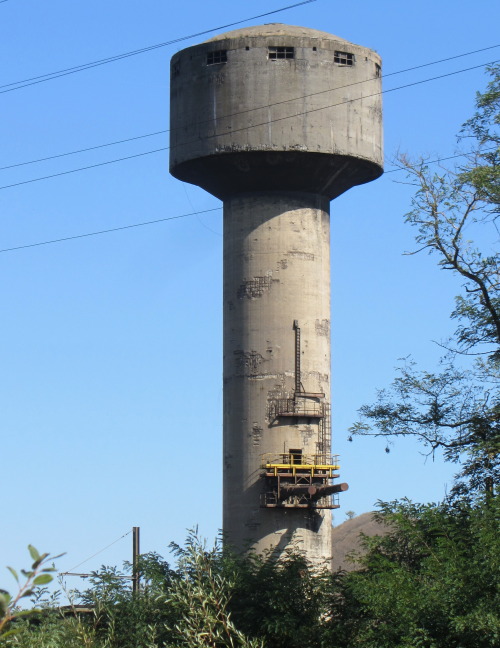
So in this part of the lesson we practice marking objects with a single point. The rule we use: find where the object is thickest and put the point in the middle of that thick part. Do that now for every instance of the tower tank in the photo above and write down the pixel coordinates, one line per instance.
(277, 121)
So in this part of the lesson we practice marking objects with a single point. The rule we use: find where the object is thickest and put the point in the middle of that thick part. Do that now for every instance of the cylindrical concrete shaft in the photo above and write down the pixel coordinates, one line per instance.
(276, 270)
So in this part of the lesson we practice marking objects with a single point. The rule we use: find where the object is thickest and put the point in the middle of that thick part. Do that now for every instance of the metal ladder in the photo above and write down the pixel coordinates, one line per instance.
(298, 388)
(325, 432)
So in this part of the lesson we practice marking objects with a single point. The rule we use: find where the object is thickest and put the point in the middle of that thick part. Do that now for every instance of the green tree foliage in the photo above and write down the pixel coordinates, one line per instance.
(283, 602)
(199, 598)
(433, 581)
(483, 172)
(188, 606)
(39, 575)
(457, 408)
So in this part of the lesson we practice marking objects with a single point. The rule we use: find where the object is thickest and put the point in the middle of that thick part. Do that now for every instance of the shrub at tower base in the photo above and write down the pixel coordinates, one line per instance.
(433, 580)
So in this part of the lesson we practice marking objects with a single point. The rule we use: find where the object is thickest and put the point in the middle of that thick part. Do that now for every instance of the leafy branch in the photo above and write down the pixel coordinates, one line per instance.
(457, 407)
(38, 575)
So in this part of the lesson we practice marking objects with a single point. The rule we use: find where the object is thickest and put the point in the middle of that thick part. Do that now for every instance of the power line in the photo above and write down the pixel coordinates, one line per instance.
(443, 159)
(90, 148)
(340, 103)
(167, 130)
(107, 231)
(85, 168)
(86, 66)
(245, 128)
(100, 551)
(117, 576)
(195, 213)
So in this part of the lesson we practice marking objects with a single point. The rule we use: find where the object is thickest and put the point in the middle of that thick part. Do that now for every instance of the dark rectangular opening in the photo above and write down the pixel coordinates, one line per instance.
(295, 456)
(281, 53)
(220, 56)
(343, 58)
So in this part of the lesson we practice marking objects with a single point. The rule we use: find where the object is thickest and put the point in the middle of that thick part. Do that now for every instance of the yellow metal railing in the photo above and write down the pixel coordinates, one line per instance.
(294, 462)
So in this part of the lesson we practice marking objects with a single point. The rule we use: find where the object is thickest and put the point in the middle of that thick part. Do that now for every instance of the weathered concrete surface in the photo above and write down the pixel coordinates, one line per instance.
(276, 270)
(251, 123)
(276, 140)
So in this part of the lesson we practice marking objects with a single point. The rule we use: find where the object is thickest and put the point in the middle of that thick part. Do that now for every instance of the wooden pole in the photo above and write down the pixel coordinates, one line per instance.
(135, 559)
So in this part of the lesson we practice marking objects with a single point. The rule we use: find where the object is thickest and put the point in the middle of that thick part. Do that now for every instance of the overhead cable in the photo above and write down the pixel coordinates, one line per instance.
(443, 159)
(167, 130)
(107, 231)
(84, 150)
(244, 128)
(100, 551)
(195, 213)
(86, 66)
(85, 168)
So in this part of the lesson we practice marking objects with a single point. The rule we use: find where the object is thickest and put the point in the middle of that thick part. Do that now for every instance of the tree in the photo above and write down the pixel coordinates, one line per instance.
(284, 602)
(199, 599)
(188, 606)
(214, 598)
(431, 582)
(457, 408)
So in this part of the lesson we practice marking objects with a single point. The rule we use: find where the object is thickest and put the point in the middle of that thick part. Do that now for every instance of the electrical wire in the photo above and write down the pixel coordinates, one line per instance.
(90, 148)
(167, 130)
(86, 66)
(195, 213)
(245, 128)
(340, 103)
(107, 231)
(117, 576)
(100, 551)
(85, 168)
(443, 159)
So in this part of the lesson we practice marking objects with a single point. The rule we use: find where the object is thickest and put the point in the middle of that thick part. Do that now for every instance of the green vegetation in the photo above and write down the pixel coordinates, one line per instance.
(457, 409)
(39, 574)
(433, 581)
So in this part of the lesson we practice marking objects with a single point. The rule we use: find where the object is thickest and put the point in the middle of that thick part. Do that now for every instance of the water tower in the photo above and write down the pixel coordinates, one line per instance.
(277, 121)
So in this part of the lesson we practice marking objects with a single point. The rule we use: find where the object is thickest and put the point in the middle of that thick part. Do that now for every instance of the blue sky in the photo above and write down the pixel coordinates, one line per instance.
(110, 355)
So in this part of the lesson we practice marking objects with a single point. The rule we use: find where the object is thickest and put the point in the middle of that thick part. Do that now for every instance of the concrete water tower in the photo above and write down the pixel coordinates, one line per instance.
(276, 121)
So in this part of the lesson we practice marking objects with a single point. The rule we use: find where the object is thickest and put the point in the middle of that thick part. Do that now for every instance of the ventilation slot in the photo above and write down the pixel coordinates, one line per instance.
(216, 57)
(343, 58)
(281, 53)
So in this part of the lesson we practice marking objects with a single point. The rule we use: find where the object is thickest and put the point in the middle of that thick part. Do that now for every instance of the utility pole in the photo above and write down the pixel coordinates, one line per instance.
(135, 559)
